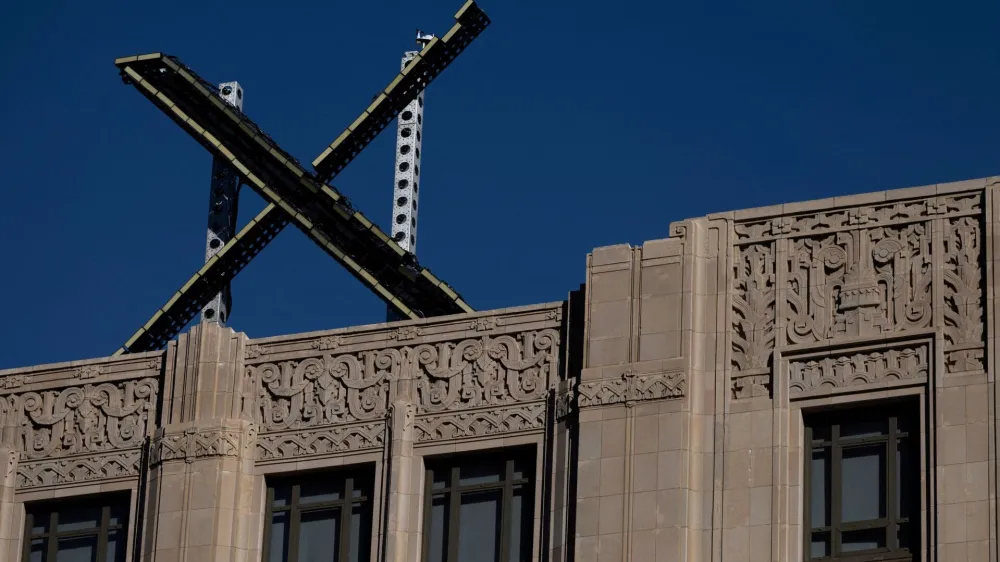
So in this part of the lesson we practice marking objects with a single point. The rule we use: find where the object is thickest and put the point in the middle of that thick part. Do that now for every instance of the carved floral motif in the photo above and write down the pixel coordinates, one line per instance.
(896, 363)
(630, 388)
(753, 309)
(963, 290)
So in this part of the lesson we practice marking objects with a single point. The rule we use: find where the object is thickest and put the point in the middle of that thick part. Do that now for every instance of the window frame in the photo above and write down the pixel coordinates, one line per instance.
(117, 501)
(349, 480)
(902, 426)
(454, 492)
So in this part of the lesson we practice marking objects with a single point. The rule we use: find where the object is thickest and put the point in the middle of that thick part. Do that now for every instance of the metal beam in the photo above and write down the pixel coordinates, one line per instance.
(295, 194)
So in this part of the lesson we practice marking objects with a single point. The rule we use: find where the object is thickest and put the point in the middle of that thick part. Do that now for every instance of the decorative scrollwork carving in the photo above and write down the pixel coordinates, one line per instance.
(963, 294)
(319, 441)
(631, 388)
(893, 363)
(478, 423)
(121, 464)
(350, 387)
(83, 419)
(196, 442)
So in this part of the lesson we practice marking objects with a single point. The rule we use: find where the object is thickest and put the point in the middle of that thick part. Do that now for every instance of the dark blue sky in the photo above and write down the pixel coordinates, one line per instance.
(567, 125)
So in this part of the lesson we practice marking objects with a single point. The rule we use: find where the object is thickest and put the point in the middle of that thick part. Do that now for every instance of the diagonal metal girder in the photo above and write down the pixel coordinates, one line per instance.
(295, 194)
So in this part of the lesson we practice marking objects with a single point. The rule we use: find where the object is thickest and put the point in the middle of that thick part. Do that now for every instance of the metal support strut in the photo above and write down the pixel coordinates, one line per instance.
(222, 212)
(406, 190)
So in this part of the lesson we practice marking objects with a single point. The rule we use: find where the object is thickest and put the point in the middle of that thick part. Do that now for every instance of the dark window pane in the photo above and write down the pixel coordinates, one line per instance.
(439, 480)
(320, 491)
(863, 428)
(77, 549)
(520, 468)
(863, 483)
(478, 527)
(357, 546)
(820, 546)
(40, 523)
(907, 479)
(518, 552)
(279, 537)
(853, 541)
(819, 488)
(79, 518)
(119, 515)
(480, 474)
(282, 496)
(438, 530)
(318, 534)
(37, 552)
(116, 546)
(905, 536)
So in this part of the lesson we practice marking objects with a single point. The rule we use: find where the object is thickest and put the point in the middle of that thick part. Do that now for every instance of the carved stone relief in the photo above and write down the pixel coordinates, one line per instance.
(963, 294)
(82, 419)
(477, 423)
(859, 283)
(858, 273)
(197, 442)
(893, 363)
(753, 329)
(318, 441)
(630, 388)
(80, 433)
(300, 399)
(79, 469)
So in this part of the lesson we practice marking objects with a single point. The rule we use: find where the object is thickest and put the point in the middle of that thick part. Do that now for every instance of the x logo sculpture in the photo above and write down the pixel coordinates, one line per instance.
(293, 193)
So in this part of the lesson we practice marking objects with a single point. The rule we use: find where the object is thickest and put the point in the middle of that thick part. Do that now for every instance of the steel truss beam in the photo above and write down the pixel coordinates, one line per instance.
(295, 194)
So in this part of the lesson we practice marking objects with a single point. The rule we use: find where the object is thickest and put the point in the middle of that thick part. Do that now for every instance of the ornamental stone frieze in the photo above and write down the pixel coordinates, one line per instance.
(73, 423)
(631, 387)
(331, 393)
(200, 439)
(857, 273)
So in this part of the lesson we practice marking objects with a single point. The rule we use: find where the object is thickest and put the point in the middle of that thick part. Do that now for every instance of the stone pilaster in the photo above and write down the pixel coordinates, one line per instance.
(403, 506)
(204, 502)
(11, 513)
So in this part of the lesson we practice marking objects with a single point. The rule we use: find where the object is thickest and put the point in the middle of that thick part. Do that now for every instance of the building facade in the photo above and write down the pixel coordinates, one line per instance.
(809, 381)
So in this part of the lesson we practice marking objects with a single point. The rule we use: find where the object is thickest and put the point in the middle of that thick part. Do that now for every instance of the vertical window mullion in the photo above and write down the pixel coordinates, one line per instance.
(892, 531)
(506, 504)
(268, 521)
(807, 504)
(52, 546)
(454, 505)
(102, 537)
(346, 520)
(29, 523)
(428, 508)
(836, 493)
(293, 526)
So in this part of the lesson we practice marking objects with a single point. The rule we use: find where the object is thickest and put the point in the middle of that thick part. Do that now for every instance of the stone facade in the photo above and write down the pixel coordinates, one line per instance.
(665, 401)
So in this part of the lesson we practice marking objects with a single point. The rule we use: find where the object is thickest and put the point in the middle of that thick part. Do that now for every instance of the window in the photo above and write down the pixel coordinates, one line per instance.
(863, 484)
(319, 517)
(91, 529)
(478, 507)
